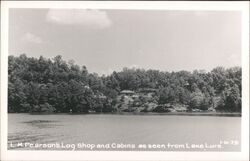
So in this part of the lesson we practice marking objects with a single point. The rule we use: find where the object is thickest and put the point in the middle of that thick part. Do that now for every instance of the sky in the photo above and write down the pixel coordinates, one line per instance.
(108, 40)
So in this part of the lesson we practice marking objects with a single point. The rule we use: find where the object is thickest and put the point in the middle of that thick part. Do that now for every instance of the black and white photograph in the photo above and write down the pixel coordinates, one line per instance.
(108, 80)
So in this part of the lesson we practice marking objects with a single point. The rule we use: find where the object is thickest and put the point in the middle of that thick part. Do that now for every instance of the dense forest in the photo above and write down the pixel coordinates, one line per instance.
(54, 85)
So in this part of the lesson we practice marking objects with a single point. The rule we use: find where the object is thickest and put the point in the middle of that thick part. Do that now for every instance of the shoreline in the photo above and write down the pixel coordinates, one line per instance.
(187, 114)
(228, 114)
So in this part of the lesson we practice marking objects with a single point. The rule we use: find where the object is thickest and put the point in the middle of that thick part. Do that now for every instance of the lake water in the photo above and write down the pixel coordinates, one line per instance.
(123, 132)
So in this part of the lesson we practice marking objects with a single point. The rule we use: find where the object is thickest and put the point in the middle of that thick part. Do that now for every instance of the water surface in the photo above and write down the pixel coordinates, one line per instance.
(124, 131)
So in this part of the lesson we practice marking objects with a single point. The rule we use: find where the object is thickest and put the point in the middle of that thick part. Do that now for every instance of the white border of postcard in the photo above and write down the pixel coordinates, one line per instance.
(242, 6)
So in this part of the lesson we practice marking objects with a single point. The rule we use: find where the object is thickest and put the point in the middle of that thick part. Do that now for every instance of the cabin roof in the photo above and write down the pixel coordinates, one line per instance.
(127, 92)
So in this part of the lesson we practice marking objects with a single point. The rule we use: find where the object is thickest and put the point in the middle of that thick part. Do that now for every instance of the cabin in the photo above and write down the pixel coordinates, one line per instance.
(135, 96)
(100, 96)
(127, 92)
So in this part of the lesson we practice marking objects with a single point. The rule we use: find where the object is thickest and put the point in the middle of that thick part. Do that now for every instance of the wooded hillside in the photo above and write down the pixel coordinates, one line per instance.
(54, 85)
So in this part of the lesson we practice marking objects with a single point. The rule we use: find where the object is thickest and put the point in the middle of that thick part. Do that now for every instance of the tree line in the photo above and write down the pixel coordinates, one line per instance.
(42, 84)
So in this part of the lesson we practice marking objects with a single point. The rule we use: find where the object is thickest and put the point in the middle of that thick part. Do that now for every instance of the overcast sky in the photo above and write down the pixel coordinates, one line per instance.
(108, 40)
